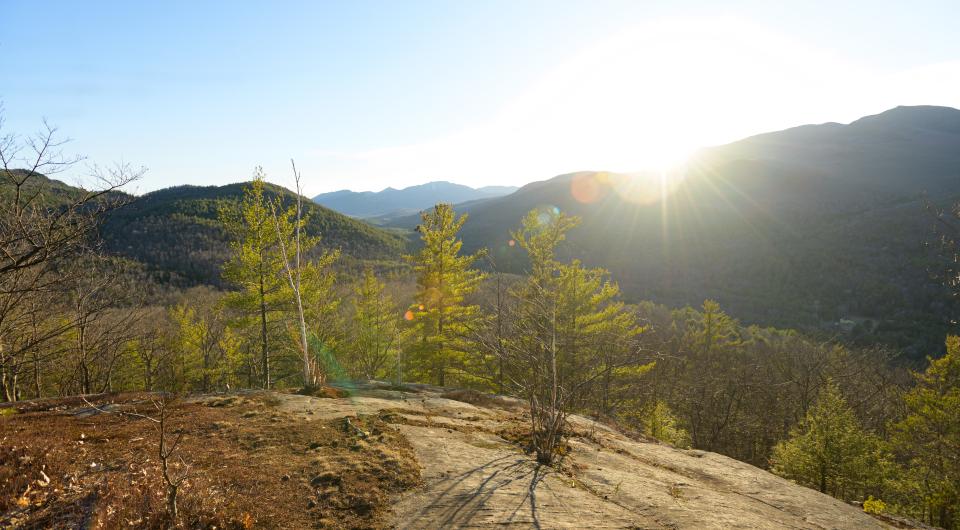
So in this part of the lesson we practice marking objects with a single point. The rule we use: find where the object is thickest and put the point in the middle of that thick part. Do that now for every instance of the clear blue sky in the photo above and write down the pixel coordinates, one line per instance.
(370, 94)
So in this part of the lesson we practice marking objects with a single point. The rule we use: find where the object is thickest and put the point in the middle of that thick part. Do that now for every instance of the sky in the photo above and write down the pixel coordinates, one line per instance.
(365, 95)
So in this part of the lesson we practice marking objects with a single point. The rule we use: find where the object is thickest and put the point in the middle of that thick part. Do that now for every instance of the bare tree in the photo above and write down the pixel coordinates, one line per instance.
(167, 450)
(39, 223)
(152, 346)
(44, 225)
(312, 375)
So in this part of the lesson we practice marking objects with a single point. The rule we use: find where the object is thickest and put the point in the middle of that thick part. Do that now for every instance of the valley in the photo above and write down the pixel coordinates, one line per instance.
(480, 265)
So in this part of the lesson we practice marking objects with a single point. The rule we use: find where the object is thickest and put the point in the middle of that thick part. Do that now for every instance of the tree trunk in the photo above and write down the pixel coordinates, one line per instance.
(172, 503)
(265, 357)
(9, 384)
(37, 387)
(148, 374)
(205, 380)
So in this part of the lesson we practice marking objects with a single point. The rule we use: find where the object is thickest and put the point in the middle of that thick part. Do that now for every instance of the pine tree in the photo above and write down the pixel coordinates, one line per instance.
(208, 351)
(714, 376)
(321, 309)
(311, 300)
(597, 333)
(571, 334)
(658, 421)
(830, 451)
(441, 317)
(929, 437)
(375, 329)
(255, 267)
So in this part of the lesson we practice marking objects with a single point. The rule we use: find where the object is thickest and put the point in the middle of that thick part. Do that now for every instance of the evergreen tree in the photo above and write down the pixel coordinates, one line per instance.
(929, 438)
(572, 336)
(208, 350)
(597, 334)
(321, 309)
(659, 422)
(375, 329)
(441, 317)
(829, 451)
(714, 376)
(255, 267)
(311, 299)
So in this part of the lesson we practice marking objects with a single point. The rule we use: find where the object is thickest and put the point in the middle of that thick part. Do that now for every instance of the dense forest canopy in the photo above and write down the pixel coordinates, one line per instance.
(176, 231)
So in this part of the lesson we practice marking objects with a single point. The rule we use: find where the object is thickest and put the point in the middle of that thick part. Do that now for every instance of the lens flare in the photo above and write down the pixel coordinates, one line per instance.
(588, 188)
(639, 188)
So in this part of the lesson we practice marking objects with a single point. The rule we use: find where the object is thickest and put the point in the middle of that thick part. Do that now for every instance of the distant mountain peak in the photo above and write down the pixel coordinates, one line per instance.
(406, 200)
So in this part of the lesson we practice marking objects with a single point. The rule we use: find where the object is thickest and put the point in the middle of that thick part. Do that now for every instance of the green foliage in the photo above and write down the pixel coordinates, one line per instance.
(563, 339)
(573, 342)
(712, 374)
(659, 422)
(209, 353)
(321, 309)
(441, 316)
(598, 333)
(745, 226)
(265, 305)
(375, 330)
(739, 389)
(178, 234)
(874, 506)
(829, 451)
(256, 269)
(929, 438)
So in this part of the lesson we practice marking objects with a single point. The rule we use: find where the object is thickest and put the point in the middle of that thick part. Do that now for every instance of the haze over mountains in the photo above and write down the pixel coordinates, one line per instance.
(393, 202)
(798, 228)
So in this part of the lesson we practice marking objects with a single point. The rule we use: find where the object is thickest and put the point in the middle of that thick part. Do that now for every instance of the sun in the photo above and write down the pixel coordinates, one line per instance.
(642, 99)
(649, 97)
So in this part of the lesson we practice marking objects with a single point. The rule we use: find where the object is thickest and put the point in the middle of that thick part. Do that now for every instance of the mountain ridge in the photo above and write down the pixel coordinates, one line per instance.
(391, 201)
(799, 228)
(174, 231)
(796, 228)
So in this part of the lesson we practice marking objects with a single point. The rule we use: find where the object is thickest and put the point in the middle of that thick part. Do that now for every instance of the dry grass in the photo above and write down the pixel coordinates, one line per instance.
(251, 466)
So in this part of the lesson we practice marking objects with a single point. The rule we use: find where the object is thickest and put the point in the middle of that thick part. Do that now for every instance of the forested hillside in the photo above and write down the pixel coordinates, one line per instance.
(801, 228)
(176, 232)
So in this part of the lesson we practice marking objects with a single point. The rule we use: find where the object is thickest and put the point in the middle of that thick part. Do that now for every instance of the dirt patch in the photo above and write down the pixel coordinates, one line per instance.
(251, 467)
(376, 459)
